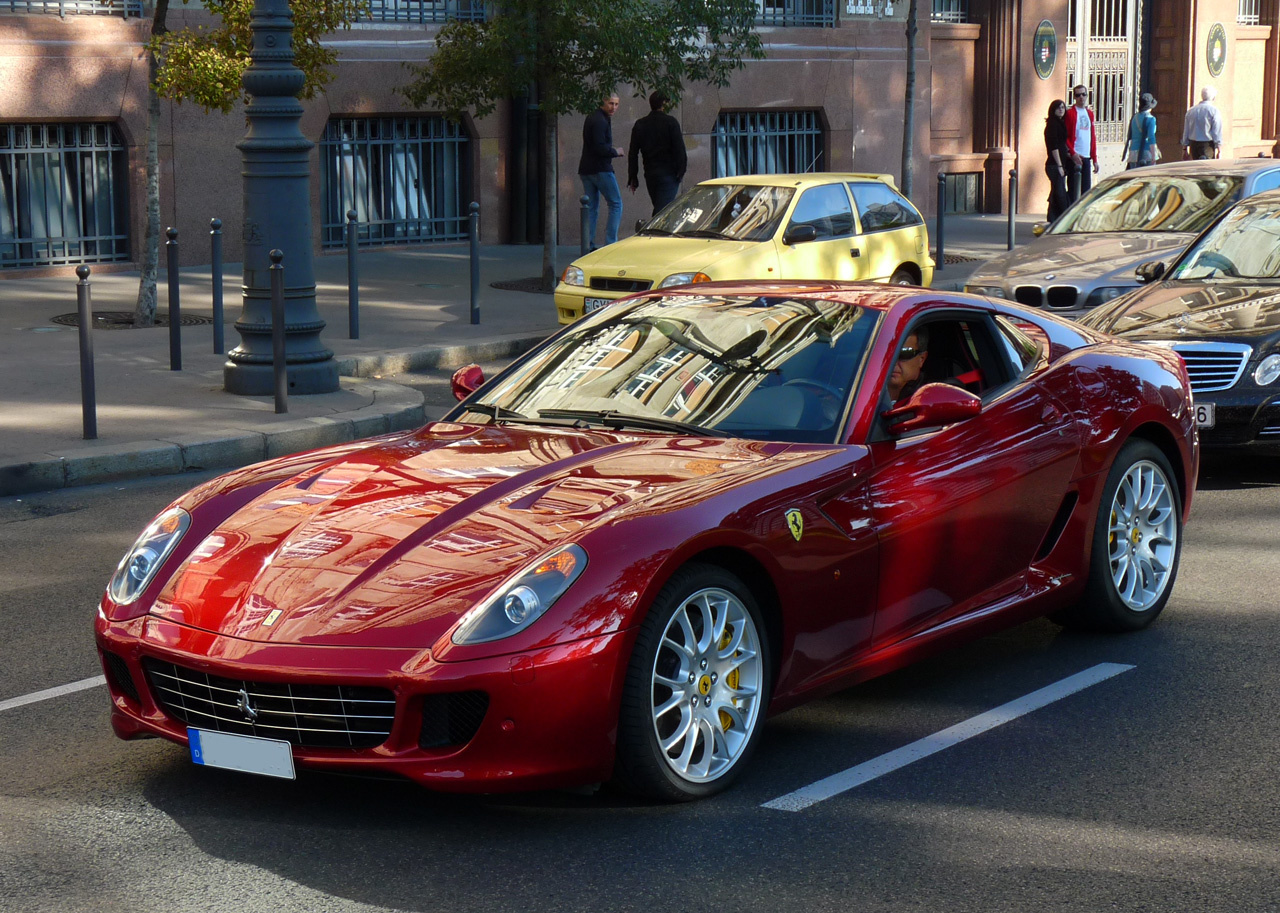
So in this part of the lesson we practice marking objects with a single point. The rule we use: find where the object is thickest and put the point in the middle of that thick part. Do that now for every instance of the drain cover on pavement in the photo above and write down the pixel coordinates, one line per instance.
(123, 320)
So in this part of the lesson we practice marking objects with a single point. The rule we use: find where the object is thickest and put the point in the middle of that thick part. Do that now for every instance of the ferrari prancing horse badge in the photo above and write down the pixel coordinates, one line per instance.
(795, 523)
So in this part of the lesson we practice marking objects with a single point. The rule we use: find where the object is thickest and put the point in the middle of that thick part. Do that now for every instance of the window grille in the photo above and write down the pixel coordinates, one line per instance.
(1248, 12)
(63, 195)
(796, 12)
(767, 142)
(950, 10)
(962, 191)
(74, 7)
(407, 178)
(424, 10)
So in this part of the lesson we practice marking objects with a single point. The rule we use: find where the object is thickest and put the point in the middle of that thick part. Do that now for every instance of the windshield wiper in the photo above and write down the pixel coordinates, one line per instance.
(611, 418)
(703, 233)
(654, 231)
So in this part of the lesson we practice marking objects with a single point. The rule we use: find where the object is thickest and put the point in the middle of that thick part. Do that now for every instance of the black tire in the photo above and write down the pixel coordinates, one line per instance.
(903, 276)
(730, 707)
(1134, 560)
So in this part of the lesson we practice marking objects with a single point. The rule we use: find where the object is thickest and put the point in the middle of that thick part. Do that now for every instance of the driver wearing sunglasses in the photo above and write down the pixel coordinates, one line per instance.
(904, 379)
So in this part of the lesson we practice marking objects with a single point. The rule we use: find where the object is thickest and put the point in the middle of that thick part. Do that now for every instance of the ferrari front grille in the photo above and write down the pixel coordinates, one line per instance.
(119, 677)
(610, 284)
(1213, 365)
(303, 714)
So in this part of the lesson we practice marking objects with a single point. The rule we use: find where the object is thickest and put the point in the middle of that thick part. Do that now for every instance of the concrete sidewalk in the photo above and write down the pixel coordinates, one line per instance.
(414, 315)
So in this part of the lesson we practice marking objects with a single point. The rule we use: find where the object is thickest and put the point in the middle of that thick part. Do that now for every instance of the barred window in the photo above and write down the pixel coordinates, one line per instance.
(796, 12)
(1248, 12)
(63, 195)
(950, 10)
(407, 178)
(424, 10)
(767, 142)
(74, 7)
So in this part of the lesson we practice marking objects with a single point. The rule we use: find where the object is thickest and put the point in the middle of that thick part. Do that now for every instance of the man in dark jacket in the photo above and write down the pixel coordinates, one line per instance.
(657, 136)
(596, 169)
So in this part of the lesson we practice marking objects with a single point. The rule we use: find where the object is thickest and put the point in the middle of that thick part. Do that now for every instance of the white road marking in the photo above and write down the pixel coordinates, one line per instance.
(52, 692)
(887, 763)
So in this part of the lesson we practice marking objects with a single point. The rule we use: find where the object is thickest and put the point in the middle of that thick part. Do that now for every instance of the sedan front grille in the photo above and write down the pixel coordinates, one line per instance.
(1213, 365)
(1062, 296)
(307, 715)
(1271, 432)
(609, 284)
(1029, 295)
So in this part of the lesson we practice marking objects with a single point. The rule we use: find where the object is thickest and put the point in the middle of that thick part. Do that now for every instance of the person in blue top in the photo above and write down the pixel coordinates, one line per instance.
(1140, 148)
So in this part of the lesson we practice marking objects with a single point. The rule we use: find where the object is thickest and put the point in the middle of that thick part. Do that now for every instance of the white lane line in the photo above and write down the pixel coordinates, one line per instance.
(887, 763)
(52, 692)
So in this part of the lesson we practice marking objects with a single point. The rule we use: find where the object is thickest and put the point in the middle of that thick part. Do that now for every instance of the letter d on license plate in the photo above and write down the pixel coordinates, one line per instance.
(246, 753)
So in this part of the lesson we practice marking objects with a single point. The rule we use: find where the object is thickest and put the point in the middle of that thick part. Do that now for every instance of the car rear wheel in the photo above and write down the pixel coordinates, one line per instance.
(903, 276)
(1137, 543)
(696, 688)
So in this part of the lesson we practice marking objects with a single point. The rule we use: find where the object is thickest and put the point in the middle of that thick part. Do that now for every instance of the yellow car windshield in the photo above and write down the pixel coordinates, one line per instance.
(738, 212)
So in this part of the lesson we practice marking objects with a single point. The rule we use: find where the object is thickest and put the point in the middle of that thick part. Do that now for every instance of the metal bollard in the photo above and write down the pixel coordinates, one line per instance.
(215, 242)
(940, 259)
(473, 233)
(88, 393)
(175, 312)
(353, 277)
(583, 202)
(1013, 204)
(277, 333)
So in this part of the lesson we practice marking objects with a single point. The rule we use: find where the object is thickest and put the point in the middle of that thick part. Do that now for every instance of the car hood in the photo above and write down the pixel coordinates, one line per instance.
(644, 257)
(1083, 257)
(389, 546)
(1186, 310)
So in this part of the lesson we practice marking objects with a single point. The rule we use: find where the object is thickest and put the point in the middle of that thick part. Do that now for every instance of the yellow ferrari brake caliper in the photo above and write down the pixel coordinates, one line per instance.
(730, 680)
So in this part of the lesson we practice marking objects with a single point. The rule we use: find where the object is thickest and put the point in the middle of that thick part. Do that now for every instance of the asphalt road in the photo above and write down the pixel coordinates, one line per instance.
(1153, 790)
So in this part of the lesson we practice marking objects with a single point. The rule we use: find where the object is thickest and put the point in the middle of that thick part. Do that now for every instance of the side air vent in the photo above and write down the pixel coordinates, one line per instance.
(1057, 526)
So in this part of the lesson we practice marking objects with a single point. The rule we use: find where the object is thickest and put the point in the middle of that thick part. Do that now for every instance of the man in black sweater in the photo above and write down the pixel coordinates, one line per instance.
(657, 136)
(596, 169)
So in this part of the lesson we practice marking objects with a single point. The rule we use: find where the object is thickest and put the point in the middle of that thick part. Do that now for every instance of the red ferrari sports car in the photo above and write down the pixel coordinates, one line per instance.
(685, 512)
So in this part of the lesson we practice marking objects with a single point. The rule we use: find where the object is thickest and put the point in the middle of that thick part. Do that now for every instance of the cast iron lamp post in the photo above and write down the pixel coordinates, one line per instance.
(277, 214)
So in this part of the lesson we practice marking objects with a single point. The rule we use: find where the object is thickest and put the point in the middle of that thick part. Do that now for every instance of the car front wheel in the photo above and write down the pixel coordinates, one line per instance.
(696, 688)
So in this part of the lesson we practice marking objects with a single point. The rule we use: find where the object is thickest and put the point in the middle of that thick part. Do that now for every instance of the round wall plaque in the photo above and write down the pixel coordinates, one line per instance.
(1216, 49)
(1044, 48)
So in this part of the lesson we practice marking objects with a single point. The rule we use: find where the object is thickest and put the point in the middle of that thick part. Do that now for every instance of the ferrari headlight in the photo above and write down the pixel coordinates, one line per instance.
(1268, 371)
(573, 275)
(683, 279)
(991, 291)
(522, 599)
(1103, 295)
(143, 561)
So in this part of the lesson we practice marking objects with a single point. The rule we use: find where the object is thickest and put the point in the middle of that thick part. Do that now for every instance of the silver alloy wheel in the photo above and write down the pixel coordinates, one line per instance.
(1143, 537)
(706, 679)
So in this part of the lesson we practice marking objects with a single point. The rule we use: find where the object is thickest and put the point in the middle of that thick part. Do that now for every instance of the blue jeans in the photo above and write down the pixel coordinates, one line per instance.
(606, 182)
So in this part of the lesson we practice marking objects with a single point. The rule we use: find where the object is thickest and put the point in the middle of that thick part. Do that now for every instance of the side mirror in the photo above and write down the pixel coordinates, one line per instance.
(799, 234)
(465, 381)
(932, 405)
(1040, 228)
(640, 223)
(1150, 271)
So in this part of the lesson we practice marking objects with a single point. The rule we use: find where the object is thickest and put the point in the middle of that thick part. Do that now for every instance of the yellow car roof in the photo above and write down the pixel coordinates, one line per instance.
(807, 179)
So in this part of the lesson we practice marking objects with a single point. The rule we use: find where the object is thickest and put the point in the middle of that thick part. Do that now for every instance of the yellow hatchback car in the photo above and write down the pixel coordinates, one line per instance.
(760, 226)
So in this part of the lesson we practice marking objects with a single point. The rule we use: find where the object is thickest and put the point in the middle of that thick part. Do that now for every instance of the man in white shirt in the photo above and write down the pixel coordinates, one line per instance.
(1082, 137)
(1202, 128)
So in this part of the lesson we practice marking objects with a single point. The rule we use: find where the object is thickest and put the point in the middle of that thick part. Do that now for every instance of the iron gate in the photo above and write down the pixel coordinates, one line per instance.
(1102, 53)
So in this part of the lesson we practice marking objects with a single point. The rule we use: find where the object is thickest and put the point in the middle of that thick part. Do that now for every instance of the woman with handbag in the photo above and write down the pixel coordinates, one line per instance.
(1140, 147)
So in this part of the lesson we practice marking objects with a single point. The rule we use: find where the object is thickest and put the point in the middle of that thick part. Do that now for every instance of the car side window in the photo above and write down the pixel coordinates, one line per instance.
(1025, 343)
(880, 208)
(964, 353)
(827, 209)
(1268, 181)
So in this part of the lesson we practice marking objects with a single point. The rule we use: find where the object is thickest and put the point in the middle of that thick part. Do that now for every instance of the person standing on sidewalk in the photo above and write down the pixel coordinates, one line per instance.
(1082, 138)
(1202, 128)
(1057, 165)
(595, 167)
(657, 137)
(1140, 148)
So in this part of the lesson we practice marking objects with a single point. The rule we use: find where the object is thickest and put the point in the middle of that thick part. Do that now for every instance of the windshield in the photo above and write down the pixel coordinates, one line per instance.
(1244, 245)
(739, 212)
(1137, 201)
(768, 368)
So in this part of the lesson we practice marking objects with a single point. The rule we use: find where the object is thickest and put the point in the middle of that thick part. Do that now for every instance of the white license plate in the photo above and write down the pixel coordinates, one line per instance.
(246, 753)
(1204, 415)
(594, 304)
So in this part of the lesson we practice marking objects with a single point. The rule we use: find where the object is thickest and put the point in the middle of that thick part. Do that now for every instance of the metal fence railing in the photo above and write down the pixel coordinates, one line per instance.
(1248, 12)
(424, 10)
(73, 7)
(950, 10)
(766, 142)
(63, 195)
(407, 178)
(821, 13)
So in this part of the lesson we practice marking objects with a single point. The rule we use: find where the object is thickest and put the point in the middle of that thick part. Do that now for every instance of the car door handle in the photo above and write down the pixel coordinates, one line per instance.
(855, 252)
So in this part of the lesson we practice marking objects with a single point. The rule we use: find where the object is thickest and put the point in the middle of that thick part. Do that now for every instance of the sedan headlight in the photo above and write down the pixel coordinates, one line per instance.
(522, 599)
(143, 561)
(1103, 295)
(573, 275)
(683, 279)
(991, 291)
(1268, 371)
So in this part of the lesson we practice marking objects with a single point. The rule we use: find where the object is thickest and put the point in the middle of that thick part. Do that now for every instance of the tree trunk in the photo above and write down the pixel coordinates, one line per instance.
(144, 312)
(909, 121)
(550, 212)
